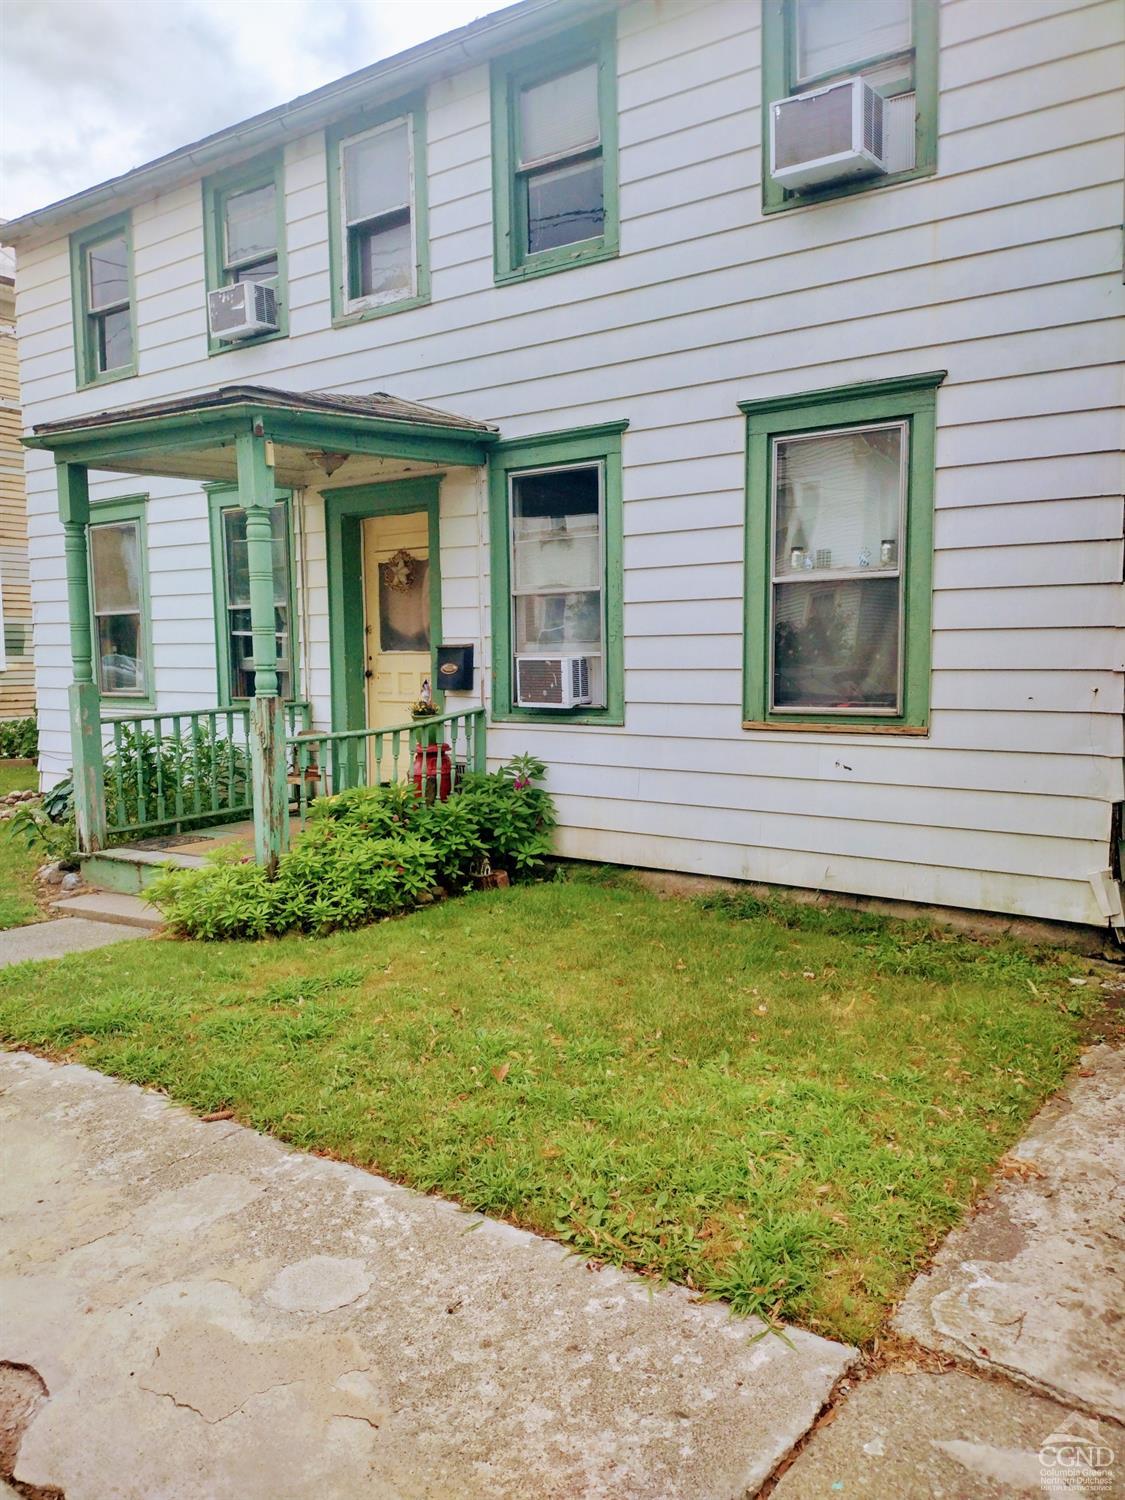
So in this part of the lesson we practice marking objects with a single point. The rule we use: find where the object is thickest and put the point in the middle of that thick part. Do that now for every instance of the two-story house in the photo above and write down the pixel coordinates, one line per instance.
(736, 383)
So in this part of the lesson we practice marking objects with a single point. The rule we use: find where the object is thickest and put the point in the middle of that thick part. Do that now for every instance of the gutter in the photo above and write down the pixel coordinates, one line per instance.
(385, 80)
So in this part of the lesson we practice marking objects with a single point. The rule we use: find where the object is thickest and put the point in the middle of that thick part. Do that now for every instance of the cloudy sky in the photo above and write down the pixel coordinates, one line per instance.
(90, 88)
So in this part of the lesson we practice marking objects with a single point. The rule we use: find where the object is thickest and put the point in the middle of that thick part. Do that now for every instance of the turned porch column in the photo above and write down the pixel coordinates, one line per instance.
(85, 699)
(267, 719)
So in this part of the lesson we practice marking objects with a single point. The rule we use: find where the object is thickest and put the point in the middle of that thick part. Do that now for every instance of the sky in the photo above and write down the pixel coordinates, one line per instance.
(91, 88)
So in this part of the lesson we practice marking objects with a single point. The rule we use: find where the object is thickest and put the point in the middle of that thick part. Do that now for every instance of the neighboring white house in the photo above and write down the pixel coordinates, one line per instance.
(754, 413)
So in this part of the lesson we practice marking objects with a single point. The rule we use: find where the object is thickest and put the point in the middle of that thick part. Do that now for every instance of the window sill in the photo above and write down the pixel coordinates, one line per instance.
(381, 310)
(560, 261)
(773, 204)
(228, 346)
(128, 373)
(128, 708)
(820, 726)
(560, 718)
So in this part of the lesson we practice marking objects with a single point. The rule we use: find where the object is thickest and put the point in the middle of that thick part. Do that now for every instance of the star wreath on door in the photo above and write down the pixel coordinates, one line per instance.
(400, 570)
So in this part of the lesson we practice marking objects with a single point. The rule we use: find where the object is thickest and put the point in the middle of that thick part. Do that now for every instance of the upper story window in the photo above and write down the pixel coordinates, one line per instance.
(101, 265)
(811, 49)
(119, 599)
(244, 237)
(379, 243)
(554, 154)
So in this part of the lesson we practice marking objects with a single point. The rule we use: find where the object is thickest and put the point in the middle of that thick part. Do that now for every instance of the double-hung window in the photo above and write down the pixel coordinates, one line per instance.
(244, 235)
(231, 574)
(891, 44)
(554, 127)
(101, 260)
(377, 213)
(839, 528)
(556, 533)
(119, 599)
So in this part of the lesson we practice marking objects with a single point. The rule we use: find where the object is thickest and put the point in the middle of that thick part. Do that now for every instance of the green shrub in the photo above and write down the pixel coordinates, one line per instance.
(19, 739)
(199, 766)
(367, 853)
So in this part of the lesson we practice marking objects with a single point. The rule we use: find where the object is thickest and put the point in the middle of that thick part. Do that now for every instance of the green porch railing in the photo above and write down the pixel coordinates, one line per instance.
(337, 761)
(166, 771)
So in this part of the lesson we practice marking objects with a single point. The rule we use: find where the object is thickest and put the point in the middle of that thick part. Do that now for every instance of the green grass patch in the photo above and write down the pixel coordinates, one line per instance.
(17, 863)
(778, 1105)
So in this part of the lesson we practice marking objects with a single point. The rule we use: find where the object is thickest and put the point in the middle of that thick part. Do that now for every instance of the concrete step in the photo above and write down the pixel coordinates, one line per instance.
(130, 870)
(109, 906)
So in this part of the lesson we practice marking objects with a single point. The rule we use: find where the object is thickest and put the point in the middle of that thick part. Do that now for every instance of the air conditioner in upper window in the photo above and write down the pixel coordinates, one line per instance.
(242, 311)
(552, 681)
(827, 135)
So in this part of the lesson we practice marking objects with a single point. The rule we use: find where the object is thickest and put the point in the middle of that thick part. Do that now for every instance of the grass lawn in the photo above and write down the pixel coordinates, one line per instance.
(782, 1107)
(17, 863)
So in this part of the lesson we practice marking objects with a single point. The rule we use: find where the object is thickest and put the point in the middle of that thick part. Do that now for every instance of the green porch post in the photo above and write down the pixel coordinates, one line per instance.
(85, 700)
(267, 720)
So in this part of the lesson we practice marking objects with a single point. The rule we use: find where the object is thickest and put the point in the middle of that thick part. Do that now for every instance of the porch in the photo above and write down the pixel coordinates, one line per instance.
(261, 760)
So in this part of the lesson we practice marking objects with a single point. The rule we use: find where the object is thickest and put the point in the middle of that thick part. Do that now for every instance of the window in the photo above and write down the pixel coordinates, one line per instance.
(231, 576)
(892, 44)
(556, 568)
(554, 154)
(101, 270)
(839, 538)
(244, 236)
(377, 213)
(119, 599)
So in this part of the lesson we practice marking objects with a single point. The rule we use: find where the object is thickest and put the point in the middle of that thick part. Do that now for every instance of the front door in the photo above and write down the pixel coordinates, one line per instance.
(396, 594)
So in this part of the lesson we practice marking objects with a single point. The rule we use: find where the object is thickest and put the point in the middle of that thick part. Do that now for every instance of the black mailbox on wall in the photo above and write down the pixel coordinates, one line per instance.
(455, 669)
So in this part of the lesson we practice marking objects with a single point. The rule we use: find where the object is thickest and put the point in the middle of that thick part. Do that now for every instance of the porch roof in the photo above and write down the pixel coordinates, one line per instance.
(313, 434)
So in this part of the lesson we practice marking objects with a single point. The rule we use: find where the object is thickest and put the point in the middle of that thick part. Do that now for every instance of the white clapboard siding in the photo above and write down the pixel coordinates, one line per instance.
(1005, 270)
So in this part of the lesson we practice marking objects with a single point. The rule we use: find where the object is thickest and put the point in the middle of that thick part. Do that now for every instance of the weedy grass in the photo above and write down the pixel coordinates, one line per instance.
(779, 1105)
(18, 863)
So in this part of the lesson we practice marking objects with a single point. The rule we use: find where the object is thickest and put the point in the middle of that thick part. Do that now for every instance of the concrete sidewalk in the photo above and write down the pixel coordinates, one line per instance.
(215, 1317)
(40, 940)
(1029, 1292)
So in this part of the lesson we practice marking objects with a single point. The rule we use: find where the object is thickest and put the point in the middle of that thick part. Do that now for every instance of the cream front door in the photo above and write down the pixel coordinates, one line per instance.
(396, 594)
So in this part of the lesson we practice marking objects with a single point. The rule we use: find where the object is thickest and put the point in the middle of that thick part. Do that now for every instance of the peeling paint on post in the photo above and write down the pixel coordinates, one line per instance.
(85, 700)
(256, 487)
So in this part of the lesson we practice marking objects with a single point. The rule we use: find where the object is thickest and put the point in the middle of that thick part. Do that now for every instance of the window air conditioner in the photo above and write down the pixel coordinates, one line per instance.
(552, 681)
(242, 311)
(827, 135)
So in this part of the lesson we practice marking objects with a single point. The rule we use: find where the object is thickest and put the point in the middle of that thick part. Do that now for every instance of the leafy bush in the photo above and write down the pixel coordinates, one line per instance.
(53, 838)
(367, 853)
(196, 766)
(19, 739)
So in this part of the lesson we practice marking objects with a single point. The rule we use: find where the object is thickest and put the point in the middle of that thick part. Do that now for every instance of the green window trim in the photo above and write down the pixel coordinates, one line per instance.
(566, 449)
(346, 309)
(221, 498)
(262, 172)
(596, 42)
(87, 372)
(122, 511)
(908, 398)
(778, 82)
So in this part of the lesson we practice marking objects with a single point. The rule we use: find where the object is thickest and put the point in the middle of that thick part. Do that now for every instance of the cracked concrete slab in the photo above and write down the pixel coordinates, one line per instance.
(214, 1314)
(917, 1436)
(1033, 1284)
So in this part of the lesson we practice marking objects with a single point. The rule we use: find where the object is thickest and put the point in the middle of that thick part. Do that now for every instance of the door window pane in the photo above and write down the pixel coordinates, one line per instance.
(565, 205)
(559, 116)
(835, 644)
(108, 271)
(384, 259)
(836, 34)
(251, 224)
(377, 172)
(404, 607)
(838, 500)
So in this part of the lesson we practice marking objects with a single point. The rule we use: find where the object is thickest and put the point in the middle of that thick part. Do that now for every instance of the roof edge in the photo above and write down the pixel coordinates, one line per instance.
(386, 79)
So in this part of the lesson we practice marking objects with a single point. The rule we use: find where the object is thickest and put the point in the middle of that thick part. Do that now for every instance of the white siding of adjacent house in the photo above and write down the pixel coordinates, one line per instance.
(1005, 269)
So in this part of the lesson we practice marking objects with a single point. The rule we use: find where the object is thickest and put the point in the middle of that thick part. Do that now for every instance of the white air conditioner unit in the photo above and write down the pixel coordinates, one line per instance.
(242, 311)
(552, 681)
(827, 135)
